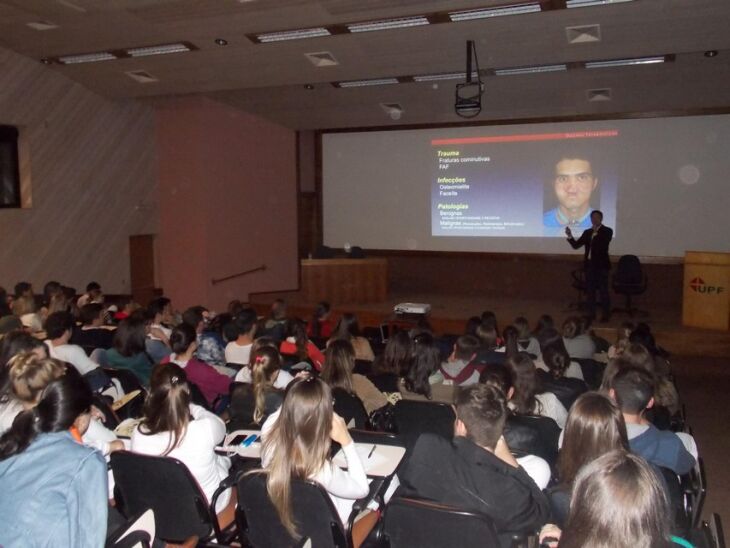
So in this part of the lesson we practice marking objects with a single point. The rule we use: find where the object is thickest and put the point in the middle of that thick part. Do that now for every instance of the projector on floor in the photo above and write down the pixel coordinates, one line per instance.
(412, 308)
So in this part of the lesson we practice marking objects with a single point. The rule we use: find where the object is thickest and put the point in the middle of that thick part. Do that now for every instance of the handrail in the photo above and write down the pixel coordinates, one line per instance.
(215, 281)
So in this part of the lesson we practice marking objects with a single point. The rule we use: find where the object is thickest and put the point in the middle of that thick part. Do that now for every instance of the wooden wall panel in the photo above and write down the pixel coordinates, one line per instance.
(90, 164)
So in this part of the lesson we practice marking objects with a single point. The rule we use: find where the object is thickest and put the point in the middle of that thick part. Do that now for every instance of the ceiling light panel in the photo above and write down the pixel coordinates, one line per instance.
(364, 83)
(626, 62)
(87, 58)
(298, 34)
(163, 49)
(42, 25)
(589, 3)
(443, 76)
(530, 70)
(387, 24)
(517, 9)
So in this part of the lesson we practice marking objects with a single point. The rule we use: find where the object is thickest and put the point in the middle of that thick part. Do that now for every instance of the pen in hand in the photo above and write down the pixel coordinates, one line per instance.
(370, 454)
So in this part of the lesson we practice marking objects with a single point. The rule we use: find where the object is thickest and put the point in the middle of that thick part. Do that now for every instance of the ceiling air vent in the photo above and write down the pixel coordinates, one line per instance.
(394, 110)
(598, 95)
(141, 76)
(321, 59)
(583, 34)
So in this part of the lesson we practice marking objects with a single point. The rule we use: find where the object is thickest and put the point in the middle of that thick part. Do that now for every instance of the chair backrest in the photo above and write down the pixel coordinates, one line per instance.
(628, 270)
(533, 435)
(413, 418)
(412, 522)
(165, 485)
(592, 371)
(313, 512)
(565, 389)
(349, 407)
(137, 532)
(694, 485)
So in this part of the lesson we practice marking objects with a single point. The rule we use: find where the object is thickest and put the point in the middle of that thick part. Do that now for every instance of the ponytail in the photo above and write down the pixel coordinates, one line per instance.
(264, 364)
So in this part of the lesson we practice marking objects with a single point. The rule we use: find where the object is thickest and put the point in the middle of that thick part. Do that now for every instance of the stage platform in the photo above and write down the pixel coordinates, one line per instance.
(449, 313)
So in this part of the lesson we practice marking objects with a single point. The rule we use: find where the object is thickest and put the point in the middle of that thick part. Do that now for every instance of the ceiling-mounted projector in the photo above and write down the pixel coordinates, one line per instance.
(468, 102)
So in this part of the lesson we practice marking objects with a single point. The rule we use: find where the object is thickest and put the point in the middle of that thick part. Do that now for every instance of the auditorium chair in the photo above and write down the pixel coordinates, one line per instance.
(413, 418)
(694, 486)
(137, 532)
(350, 408)
(629, 280)
(533, 435)
(314, 514)
(592, 371)
(578, 282)
(165, 485)
(409, 522)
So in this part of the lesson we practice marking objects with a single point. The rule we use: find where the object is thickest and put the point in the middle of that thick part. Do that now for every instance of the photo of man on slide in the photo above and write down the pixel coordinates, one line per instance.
(573, 184)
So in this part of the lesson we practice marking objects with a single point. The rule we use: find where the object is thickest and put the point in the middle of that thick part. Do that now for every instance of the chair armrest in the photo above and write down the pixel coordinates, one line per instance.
(225, 484)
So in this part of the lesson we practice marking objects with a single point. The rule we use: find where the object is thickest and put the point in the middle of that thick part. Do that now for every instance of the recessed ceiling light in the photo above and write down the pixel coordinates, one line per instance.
(308, 86)
(363, 83)
(87, 58)
(589, 3)
(483, 13)
(46, 61)
(158, 50)
(221, 41)
(42, 25)
(626, 62)
(530, 70)
(292, 34)
(321, 59)
(711, 53)
(386, 24)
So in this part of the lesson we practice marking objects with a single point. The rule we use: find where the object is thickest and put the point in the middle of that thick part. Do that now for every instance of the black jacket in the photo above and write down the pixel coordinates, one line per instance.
(459, 473)
(598, 244)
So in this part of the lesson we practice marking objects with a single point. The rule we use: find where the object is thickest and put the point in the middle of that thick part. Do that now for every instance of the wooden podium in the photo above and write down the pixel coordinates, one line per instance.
(706, 292)
(344, 281)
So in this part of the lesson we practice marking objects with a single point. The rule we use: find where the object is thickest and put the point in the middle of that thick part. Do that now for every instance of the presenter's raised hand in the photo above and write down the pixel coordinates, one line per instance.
(568, 233)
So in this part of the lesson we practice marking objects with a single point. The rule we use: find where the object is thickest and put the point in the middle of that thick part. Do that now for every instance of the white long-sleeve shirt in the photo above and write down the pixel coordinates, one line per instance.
(343, 486)
(195, 450)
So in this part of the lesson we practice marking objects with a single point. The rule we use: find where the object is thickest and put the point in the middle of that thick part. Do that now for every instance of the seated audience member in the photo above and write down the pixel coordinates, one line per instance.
(617, 501)
(488, 351)
(238, 351)
(23, 378)
(622, 339)
(554, 381)
(252, 403)
(275, 325)
(528, 399)
(578, 343)
(543, 322)
(533, 442)
(460, 369)
(93, 295)
(348, 330)
(489, 321)
(320, 327)
(595, 427)
(5, 301)
(296, 445)
(59, 327)
(471, 326)
(24, 308)
(338, 373)
(423, 380)
(128, 349)
(159, 316)
(184, 344)
(235, 307)
(299, 346)
(525, 339)
(92, 333)
(210, 347)
(59, 486)
(476, 471)
(172, 426)
(244, 374)
(8, 324)
(633, 390)
(392, 365)
(550, 337)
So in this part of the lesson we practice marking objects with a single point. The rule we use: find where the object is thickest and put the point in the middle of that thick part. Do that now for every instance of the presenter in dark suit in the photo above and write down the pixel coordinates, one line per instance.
(595, 240)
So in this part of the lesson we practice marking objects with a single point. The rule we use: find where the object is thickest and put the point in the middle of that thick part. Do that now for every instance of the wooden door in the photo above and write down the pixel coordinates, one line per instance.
(142, 267)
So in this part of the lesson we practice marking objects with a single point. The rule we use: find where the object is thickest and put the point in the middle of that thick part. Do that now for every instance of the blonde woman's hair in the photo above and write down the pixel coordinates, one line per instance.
(29, 375)
(339, 362)
(299, 442)
(265, 362)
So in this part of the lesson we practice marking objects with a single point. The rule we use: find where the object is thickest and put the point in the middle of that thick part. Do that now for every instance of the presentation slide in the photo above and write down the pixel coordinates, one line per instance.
(661, 183)
(531, 185)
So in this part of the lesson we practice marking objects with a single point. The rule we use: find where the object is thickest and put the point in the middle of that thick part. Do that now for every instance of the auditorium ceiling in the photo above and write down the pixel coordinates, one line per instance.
(276, 80)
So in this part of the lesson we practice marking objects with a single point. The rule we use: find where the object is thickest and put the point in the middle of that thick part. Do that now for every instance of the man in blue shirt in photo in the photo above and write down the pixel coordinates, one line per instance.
(573, 184)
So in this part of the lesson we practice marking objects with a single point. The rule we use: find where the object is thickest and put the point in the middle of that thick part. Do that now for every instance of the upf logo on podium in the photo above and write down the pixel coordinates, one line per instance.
(699, 286)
